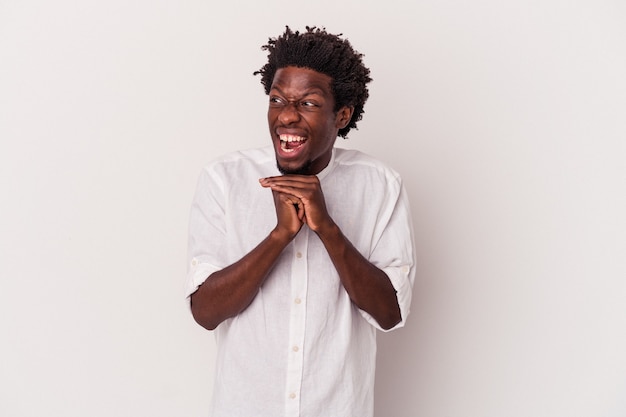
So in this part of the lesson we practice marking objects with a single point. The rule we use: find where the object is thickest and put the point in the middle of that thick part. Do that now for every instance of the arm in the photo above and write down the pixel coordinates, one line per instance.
(369, 287)
(228, 292)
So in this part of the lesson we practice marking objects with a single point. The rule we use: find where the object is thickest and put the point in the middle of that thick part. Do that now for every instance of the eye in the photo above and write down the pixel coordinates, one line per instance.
(307, 103)
(276, 101)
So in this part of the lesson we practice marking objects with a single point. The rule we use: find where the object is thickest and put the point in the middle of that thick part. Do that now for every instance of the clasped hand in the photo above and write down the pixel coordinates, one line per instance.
(298, 200)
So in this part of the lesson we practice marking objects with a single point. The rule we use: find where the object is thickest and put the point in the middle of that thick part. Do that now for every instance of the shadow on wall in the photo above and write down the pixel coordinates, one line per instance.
(397, 371)
(407, 357)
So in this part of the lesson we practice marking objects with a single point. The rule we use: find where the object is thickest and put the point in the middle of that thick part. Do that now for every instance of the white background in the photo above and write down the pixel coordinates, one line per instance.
(507, 120)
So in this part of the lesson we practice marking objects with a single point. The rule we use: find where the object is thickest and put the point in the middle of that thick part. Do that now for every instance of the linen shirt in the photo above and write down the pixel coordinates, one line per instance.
(301, 348)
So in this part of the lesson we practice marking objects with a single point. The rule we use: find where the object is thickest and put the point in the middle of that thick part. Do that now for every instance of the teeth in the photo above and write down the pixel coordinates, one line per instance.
(291, 138)
(283, 146)
(284, 139)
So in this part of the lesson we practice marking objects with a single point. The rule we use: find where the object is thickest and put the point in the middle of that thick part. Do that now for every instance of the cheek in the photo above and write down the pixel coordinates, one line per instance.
(272, 118)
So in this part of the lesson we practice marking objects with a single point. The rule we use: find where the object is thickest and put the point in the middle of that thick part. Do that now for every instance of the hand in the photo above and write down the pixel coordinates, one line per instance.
(305, 192)
(289, 214)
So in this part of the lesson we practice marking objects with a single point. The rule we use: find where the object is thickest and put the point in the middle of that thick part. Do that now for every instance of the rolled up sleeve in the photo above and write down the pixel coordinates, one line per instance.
(394, 253)
(205, 254)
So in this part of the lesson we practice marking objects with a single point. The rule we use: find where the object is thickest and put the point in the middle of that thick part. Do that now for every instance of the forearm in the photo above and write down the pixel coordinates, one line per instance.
(368, 286)
(228, 292)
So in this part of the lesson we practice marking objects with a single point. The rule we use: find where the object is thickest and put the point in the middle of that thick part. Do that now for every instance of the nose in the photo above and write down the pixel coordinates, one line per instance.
(289, 114)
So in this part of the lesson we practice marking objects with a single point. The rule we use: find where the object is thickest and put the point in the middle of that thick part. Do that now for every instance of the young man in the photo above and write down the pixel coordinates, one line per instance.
(299, 252)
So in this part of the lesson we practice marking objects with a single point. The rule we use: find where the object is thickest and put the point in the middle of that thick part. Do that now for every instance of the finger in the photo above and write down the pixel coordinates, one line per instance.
(303, 178)
(291, 201)
(300, 210)
(290, 180)
(299, 206)
(297, 193)
(297, 189)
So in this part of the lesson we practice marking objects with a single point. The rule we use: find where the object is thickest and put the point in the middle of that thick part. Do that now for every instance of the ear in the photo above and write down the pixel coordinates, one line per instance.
(344, 115)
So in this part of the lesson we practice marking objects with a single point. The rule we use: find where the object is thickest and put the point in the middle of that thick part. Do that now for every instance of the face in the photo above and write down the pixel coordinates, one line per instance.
(301, 119)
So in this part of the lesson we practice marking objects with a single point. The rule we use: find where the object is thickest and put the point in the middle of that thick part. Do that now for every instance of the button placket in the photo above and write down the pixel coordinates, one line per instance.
(297, 320)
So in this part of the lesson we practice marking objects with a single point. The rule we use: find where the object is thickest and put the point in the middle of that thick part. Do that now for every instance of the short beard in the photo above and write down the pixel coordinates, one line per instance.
(303, 170)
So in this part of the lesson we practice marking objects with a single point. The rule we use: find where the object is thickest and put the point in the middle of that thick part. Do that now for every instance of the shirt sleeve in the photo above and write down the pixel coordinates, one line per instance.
(206, 249)
(394, 252)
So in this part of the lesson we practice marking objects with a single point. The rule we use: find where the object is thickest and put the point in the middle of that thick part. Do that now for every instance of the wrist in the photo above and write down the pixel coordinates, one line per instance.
(329, 230)
(281, 236)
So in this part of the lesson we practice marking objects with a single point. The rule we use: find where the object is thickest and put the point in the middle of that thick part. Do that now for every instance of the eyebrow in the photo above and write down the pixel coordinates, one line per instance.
(310, 91)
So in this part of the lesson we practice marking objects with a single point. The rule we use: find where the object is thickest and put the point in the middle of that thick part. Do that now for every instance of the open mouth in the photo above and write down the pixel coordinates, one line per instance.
(290, 143)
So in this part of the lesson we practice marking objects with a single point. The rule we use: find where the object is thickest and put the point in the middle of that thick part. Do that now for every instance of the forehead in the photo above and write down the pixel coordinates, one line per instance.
(302, 80)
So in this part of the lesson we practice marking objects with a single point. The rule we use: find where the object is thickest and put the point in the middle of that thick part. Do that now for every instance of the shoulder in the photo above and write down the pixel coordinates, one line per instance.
(239, 168)
(356, 161)
(253, 156)
(238, 164)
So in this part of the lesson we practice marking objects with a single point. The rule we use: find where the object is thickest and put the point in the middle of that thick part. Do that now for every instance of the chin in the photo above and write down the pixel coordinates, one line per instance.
(304, 169)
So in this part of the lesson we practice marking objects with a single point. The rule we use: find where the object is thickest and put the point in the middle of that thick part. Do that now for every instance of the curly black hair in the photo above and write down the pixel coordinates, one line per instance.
(328, 54)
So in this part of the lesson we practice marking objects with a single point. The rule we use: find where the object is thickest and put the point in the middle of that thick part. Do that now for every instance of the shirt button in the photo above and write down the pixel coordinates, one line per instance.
(297, 301)
(295, 348)
(194, 262)
(292, 395)
(299, 255)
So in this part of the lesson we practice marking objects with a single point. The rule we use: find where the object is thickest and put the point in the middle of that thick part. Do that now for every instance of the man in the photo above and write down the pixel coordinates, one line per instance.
(299, 252)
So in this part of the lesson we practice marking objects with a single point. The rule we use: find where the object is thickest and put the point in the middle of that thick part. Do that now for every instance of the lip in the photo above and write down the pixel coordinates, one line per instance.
(293, 154)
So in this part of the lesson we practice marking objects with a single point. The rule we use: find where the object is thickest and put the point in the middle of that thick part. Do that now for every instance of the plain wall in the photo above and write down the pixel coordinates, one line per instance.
(507, 120)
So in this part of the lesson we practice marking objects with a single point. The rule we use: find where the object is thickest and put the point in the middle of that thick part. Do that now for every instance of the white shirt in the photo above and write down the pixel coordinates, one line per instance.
(301, 348)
